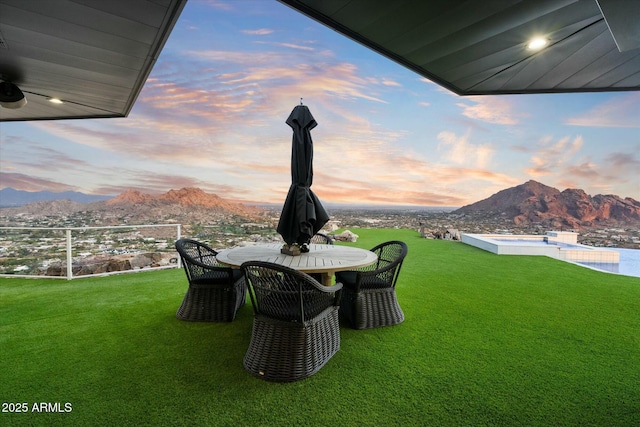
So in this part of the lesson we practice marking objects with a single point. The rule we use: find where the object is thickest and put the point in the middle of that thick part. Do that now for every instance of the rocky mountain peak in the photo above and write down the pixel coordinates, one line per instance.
(195, 199)
(533, 202)
(187, 205)
(130, 196)
(192, 197)
(508, 202)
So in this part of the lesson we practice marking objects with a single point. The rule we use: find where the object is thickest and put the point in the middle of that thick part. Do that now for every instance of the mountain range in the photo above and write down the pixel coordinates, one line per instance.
(535, 203)
(185, 205)
(530, 203)
(10, 197)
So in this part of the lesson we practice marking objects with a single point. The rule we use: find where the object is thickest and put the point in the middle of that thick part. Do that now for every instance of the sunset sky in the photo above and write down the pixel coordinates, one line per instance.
(212, 115)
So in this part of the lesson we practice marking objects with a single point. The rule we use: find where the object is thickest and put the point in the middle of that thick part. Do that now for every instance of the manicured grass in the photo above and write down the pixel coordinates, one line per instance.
(487, 340)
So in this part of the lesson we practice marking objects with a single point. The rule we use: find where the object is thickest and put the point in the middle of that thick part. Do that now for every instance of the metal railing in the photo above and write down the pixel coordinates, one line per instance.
(37, 248)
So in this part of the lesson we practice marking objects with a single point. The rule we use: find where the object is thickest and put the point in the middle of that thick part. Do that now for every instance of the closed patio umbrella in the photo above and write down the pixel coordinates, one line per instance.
(302, 214)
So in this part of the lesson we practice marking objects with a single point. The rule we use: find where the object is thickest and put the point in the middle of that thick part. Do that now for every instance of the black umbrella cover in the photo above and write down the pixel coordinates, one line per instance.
(302, 214)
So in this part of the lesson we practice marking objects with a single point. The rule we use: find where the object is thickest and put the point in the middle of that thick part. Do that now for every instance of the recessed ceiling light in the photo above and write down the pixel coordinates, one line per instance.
(537, 43)
(56, 101)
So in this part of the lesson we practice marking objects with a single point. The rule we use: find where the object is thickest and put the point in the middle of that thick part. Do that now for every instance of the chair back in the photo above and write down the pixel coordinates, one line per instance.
(199, 261)
(390, 258)
(321, 239)
(283, 293)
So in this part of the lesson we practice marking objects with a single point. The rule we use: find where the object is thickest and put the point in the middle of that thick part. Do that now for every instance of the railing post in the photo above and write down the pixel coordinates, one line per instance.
(69, 244)
(69, 256)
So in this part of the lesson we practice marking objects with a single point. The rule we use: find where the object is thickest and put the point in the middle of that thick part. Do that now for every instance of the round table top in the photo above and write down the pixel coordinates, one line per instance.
(319, 259)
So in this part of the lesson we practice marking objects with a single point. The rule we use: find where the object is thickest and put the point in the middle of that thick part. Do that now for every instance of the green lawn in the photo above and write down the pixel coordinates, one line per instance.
(487, 340)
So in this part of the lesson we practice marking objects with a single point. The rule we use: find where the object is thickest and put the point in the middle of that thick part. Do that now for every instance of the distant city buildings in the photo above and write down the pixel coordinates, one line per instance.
(36, 251)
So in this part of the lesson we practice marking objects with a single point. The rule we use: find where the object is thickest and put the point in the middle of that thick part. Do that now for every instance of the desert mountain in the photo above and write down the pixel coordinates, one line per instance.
(130, 196)
(186, 205)
(185, 198)
(10, 197)
(533, 203)
(45, 208)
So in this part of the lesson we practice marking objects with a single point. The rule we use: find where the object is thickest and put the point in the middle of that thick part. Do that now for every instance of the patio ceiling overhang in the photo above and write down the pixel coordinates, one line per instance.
(94, 55)
(476, 47)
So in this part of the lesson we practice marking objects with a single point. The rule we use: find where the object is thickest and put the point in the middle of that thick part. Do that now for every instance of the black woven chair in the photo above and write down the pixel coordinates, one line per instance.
(369, 293)
(321, 239)
(296, 328)
(216, 291)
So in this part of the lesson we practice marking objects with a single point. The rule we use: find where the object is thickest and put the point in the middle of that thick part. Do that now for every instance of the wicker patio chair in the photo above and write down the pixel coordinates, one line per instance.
(296, 328)
(216, 292)
(321, 239)
(369, 294)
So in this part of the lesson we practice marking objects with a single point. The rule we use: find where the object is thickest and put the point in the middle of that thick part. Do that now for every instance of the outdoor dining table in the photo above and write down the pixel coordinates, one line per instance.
(323, 259)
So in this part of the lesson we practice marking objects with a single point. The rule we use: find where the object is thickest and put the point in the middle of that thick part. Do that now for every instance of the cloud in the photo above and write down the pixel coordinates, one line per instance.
(625, 161)
(236, 130)
(220, 5)
(430, 82)
(55, 160)
(215, 119)
(379, 171)
(585, 170)
(43, 162)
(622, 168)
(496, 110)
(383, 196)
(25, 182)
(209, 115)
(458, 150)
(389, 82)
(623, 111)
(550, 157)
(408, 180)
(259, 32)
(563, 164)
(158, 183)
(297, 46)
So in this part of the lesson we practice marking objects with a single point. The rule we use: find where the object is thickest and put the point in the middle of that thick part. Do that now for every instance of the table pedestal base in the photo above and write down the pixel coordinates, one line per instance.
(293, 250)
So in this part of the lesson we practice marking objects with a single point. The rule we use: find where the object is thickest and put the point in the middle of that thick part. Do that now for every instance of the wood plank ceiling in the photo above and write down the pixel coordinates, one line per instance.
(477, 47)
(94, 55)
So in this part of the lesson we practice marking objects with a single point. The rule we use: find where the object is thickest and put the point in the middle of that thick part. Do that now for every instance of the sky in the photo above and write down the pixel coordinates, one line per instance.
(212, 115)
